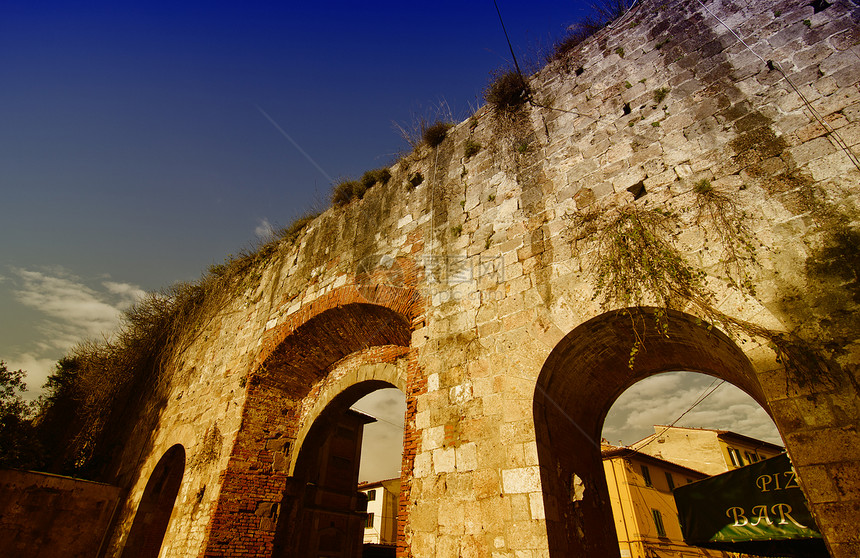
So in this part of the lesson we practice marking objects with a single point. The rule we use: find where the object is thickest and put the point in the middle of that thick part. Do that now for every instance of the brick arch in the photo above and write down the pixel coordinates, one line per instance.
(369, 371)
(305, 355)
(581, 379)
(295, 357)
(406, 303)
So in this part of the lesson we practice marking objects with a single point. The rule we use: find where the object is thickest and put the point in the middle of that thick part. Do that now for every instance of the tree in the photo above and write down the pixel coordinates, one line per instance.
(18, 445)
(58, 422)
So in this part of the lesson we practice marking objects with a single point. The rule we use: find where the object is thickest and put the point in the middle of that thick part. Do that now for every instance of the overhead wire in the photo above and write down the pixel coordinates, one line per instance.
(508, 39)
(705, 394)
(354, 408)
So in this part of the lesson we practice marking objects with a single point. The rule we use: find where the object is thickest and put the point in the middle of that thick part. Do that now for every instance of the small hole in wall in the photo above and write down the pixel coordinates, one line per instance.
(416, 179)
(579, 71)
(638, 190)
(819, 5)
(626, 108)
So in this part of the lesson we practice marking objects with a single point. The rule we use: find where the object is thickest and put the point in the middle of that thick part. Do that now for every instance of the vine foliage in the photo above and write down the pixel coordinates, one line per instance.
(99, 391)
(718, 216)
(635, 261)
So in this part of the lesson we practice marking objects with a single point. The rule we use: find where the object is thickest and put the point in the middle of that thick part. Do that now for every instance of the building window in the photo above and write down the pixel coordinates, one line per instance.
(670, 481)
(368, 521)
(646, 474)
(736, 458)
(658, 522)
(371, 495)
(751, 457)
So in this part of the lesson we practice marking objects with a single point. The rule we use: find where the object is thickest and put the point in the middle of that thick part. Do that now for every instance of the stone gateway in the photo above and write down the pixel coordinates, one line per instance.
(677, 192)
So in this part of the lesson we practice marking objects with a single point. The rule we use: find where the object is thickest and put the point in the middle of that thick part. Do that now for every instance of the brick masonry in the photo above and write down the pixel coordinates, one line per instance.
(470, 293)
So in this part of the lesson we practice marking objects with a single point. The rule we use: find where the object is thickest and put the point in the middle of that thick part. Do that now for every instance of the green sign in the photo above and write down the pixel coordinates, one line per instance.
(750, 509)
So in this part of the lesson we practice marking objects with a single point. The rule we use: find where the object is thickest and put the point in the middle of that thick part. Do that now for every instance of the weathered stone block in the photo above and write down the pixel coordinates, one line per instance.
(521, 481)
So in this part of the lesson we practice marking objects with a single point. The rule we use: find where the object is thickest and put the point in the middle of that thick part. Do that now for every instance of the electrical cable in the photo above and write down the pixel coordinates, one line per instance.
(708, 391)
(400, 426)
(516, 64)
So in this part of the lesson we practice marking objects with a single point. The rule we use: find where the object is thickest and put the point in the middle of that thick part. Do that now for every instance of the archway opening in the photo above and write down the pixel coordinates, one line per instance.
(579, 382)
(357, 436)
(382, 445)
(380, 469)
(156, 506)
(669, 430)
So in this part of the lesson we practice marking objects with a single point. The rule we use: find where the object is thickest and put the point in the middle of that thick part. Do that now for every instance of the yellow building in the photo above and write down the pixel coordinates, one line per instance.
(643, 508)
(641, 482)
(703, 449)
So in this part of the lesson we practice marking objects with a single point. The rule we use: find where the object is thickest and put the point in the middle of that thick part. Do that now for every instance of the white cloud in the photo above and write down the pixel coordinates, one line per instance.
(128, 292)
(663, 398)
(382, 446)
(37, 369)
(73, 308)
(67, 312)
(264, 230)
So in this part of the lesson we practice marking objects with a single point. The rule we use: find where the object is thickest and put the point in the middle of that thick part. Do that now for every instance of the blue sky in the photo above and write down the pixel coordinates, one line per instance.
(138, 142)
(136, 146)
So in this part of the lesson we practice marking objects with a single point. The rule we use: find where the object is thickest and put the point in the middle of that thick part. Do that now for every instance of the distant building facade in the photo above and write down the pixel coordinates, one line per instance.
(641, 481)
(710, 451)
(380, 527)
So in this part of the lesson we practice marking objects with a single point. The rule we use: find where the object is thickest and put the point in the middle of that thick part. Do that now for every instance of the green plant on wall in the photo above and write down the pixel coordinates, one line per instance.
(635, 262)
(471, 148)
(93, 387)
(601, 14)
(719, 217)
(435, 134)
(508, 92)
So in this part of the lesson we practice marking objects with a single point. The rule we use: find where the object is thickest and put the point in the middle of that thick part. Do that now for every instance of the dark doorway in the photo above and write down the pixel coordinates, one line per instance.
(324, 513)
(156, 506)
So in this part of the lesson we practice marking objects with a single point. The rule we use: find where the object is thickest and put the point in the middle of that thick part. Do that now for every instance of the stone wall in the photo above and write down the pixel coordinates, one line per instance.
(44, 516)
(476, 290)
